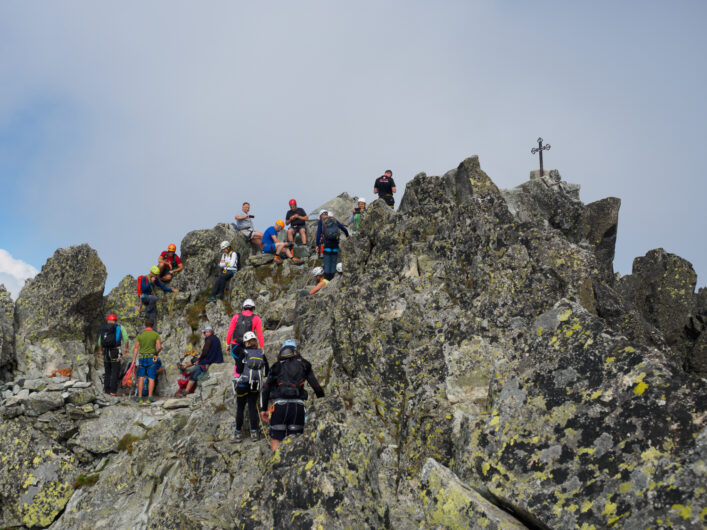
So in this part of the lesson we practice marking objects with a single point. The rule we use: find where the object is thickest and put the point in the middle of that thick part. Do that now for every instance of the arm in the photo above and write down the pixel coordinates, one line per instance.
(135, 350)
(124, 335)
(343, 228)
(158, 347)
(231, 328)
(241, 217)
(394, 189)
(317, 287)
(178, 262)
(312, 380)
(319, 232)
(160, 260)
(258, 325)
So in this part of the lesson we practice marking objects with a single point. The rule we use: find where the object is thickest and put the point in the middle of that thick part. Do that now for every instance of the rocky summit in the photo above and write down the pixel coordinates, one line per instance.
(483, 367)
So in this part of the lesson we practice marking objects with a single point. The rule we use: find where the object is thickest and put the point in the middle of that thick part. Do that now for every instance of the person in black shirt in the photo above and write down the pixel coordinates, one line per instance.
(385, 187)
(295, 218)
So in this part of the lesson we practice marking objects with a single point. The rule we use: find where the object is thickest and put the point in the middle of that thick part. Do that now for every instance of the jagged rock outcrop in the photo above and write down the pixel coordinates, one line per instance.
(482, 369)
(58, 313)
(7, 333)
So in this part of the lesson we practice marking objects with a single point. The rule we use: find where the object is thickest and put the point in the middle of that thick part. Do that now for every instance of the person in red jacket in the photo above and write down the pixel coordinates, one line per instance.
(242, 322)
(169, 263)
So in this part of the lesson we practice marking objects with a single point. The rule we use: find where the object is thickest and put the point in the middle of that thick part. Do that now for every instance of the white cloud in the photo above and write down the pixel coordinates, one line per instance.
(14, 272)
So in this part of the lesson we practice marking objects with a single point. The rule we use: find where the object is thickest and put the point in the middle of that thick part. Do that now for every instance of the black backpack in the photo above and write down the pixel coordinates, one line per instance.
(242, 325)
(331, 229)
(292, 374)
(110, 336)
(253, 369)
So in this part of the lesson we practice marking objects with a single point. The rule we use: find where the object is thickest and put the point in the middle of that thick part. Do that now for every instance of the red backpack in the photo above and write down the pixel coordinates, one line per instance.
(139, 285)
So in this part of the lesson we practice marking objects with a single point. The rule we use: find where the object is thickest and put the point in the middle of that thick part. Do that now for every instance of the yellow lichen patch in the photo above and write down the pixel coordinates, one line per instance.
(609, 508)
(564, 315)
(640, 388)
(596, 394)
(309, 465)
(609, 360)
(586, 505)
(684, 511)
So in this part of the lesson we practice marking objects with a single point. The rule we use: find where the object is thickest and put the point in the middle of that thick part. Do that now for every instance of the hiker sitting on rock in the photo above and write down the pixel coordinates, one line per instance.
(145, 287)
(211, 353)
(242, 322)
(272, 245)
(296, 218)
(169, 263)
(110, 339)
(384, 187)
(248, 377)
(228, 265)
(244, 225)
(318, 274)
(149, 345)
(328, 234)
(285, 385)
(355, 218)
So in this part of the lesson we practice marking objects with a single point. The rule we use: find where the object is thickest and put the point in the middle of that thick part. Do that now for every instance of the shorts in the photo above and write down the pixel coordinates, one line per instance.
(269, 248)
(199, 370)
(287, 419)
(247, 233)
(297, 228)
(147, 367)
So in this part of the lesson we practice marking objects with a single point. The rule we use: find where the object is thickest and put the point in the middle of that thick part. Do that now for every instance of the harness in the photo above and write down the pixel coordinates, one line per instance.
(295, 429)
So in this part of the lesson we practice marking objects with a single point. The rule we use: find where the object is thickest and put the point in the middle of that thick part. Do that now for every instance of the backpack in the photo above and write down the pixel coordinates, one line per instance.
(292, 375)
(110, 336)
(253, 369)
(242, 325)
(139, 285)
(331, 229)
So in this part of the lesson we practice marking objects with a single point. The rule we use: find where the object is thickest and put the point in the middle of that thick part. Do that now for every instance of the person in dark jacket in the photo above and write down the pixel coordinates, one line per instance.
(116, 337)
(147, 285)
(330, 246)
(384, 187)
(285, 385)
(247, 385)
(211, 353)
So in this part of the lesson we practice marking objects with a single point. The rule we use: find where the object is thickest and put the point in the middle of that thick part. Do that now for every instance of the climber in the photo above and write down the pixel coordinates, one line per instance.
(244, 225)
(149, 345)
(145, 286)
(241, 322)
(318, 274)
(271, 245)
(169, 263)
(384, 187)
(319, 242)
(211, 353)
(328, 234)
(339, 269)
(248, 377)
(355, 218)
(296, 218)
(228, 265)
(110, 339)
(285, 385)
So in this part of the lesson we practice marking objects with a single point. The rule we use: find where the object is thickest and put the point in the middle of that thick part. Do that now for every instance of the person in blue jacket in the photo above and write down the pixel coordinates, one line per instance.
(147, 285)
(328, 230)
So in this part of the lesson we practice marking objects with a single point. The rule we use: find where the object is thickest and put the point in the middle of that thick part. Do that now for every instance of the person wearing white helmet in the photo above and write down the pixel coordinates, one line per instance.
(242, 322)
(228, 265)
(248, 378)
(318, 275)
(211, 353)
(339, 268)
(355, 218)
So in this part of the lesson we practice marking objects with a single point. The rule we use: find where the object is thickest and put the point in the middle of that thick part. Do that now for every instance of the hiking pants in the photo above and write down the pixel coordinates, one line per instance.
(243, 396)
(149, 301)
(220, 284)
(331, 256)
(112, 371)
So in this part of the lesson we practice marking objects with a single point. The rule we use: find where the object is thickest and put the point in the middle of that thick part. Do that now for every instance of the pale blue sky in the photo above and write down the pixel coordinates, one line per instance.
(127, 125)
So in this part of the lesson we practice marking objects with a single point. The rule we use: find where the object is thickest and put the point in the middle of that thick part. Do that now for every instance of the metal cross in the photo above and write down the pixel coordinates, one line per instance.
(539, 149)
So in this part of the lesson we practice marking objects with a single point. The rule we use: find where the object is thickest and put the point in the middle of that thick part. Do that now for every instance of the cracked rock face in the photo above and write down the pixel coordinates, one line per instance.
(482, 368)
(7, 333)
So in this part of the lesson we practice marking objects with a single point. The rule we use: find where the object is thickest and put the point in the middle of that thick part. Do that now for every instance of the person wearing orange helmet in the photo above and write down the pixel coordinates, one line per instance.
(272, 245)
(169, 263)
(296, 218)
(111, 338)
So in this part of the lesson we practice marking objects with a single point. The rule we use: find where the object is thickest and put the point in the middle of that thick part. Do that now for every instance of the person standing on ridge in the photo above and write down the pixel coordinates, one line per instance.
(296, 218)
(329, 234)
(145, 287)
(244, 225)
(211, 353)
(169, 263)
(384, 187)
(229, 266)
(319, 242)
(355, 218)
(149, 345)
(111, 338)
(272, 245)
(285, 385)
(242, 322)
(248, 377)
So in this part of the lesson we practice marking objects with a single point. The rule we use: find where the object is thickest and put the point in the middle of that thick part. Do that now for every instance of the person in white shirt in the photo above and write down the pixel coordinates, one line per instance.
(229, 266)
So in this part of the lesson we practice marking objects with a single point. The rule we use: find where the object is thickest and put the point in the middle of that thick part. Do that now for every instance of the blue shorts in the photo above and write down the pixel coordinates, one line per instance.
(147, 367)
(198, 372)
(269, 248)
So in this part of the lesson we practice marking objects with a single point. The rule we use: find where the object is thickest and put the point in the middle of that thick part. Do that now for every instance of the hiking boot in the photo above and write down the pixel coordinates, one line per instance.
(139, 401)
(277, 259)
(150, 399)
(296, 261)
(210, 299)
(238, 436)
(179, 394)
(254, 435)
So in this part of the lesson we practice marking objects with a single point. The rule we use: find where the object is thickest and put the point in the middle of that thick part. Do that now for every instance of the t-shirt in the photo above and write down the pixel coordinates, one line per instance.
(267, 236)
(245, 224)
(148, 342)
(173, 259)
(297, 223)
(384, 185)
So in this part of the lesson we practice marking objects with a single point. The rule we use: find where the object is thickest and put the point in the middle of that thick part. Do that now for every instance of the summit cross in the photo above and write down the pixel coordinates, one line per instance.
(539, 149)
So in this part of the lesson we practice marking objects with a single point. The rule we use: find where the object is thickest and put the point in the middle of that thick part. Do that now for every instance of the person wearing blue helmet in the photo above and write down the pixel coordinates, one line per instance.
(285, 386)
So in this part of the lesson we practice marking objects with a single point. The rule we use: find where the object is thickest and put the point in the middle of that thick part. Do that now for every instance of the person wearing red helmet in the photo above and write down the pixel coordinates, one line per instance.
(296, 218)
(169, 263)
(111, 338)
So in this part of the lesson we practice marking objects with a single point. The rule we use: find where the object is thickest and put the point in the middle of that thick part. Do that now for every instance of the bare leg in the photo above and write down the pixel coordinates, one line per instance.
(190, 385)
(274, 444)
(150, 387)
(291, 235)
(140, 382)
(303, 235)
